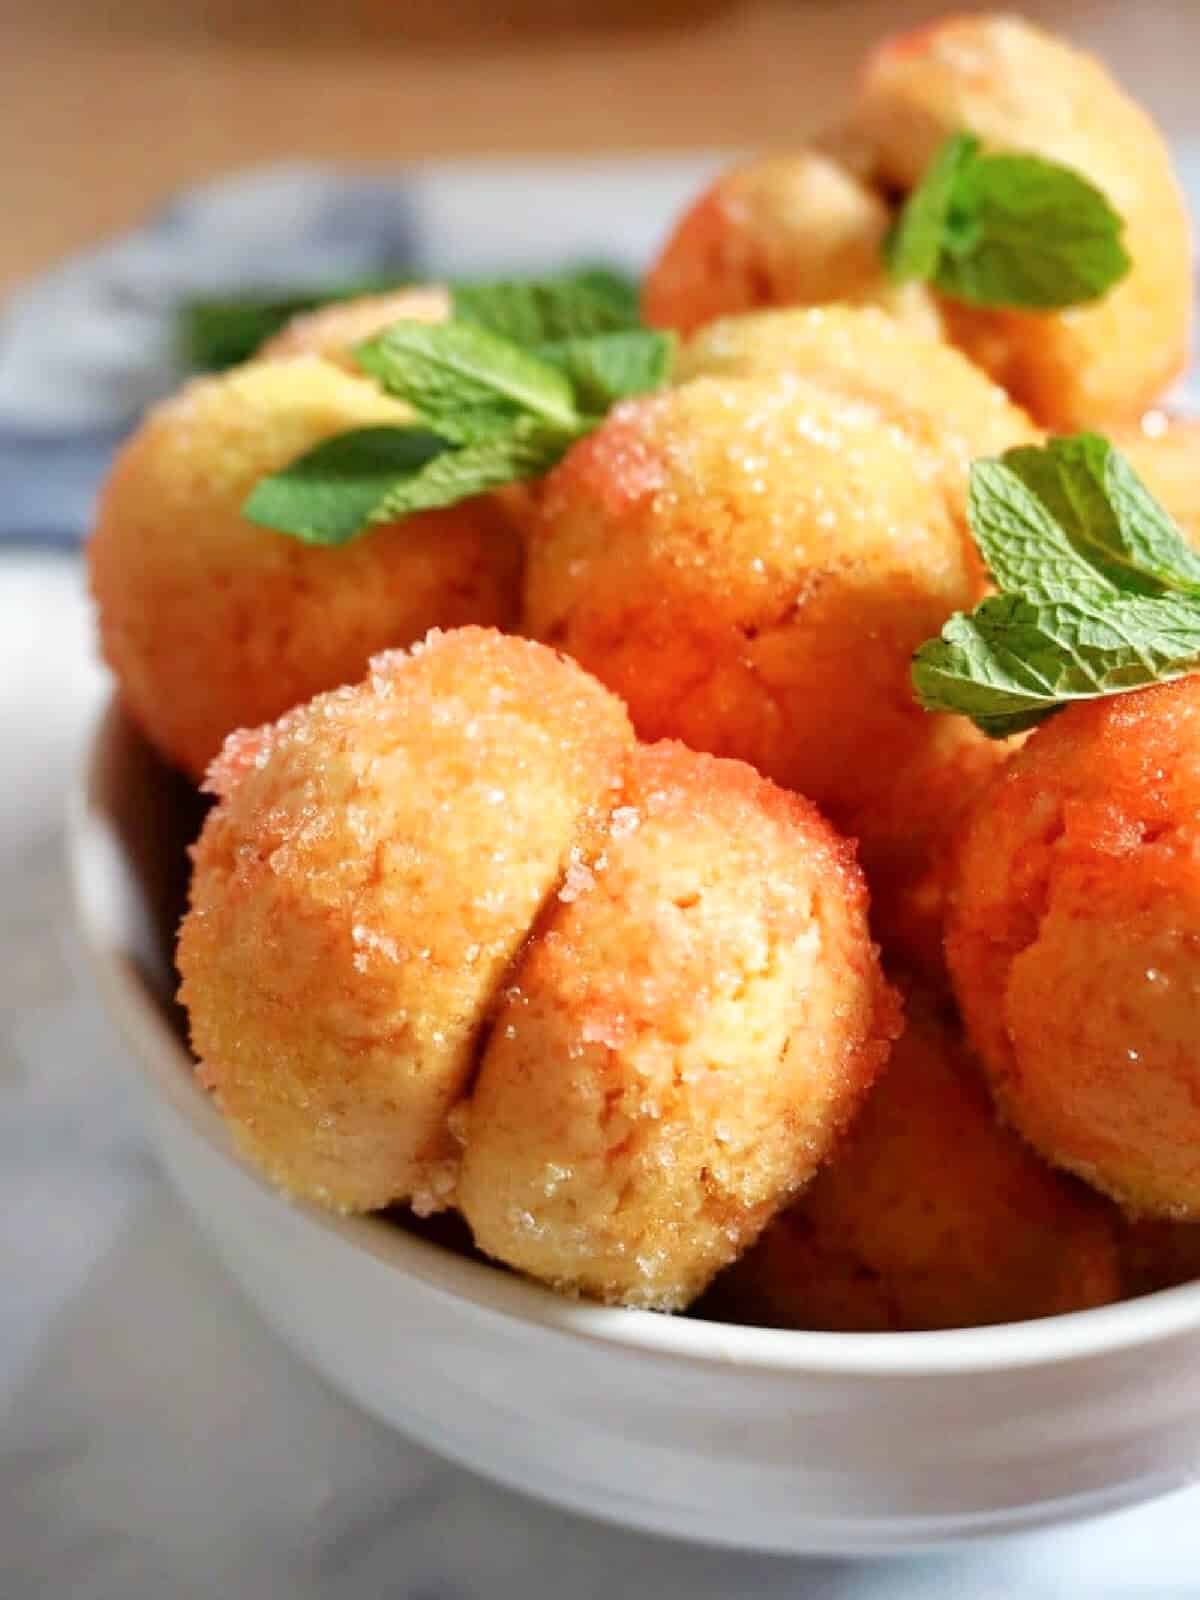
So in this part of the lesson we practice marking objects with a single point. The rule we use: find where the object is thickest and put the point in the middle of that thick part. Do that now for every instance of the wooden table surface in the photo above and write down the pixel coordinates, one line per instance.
(106, 107)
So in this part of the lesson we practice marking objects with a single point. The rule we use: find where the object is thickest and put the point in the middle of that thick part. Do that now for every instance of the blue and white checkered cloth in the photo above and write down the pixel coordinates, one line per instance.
(84, 349)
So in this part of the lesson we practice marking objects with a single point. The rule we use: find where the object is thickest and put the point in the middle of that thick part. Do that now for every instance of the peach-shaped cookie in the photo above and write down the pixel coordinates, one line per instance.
(1019, 88)
(373, 866)
(780, 231)
(695, 1020)
(750, 563)
(946, 404)
(929, 1214)
(211, 623)
(1073, 944)
(332, 331)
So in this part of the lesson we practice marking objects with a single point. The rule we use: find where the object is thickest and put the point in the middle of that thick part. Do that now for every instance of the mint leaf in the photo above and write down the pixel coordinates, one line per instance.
(220, 331)
(469, 384)
(611, 366)
(1007, 230)
(1025, 547)
(1016, 659)
(354, 481)
(1102, 591)
(1108, 514)
(543, 310)
(491, 411)
(465, 382)
(617, 293)
(332, 492)
(912, 247)
(525, 451)
(1040, 236)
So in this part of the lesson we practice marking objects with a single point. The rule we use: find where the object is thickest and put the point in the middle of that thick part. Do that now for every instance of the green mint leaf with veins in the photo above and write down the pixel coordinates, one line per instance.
(1108, 515)
(332, 492)
(1018, 658)
(1102, 591)
(1027, 550)
(526, 451)
(490, 412)
(219, 331)
(607, 367)
(1006, 230)
(466, 383)
(539, 311)
(354, 481)
(913, 246)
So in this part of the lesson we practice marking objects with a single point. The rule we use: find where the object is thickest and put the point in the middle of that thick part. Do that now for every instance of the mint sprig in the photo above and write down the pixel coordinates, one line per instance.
(214, 332)
(606, 367)
(914, 245)
(1101, 590)
(534, 311)
(219, 331)
(1006, 229)
(1108, 515)
(489, 412)
(524, 451)
(1017, 659)
(334, 490)
(466, 383)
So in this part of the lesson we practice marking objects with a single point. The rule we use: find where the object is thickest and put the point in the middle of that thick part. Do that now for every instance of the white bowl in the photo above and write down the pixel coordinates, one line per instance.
(745, 1436)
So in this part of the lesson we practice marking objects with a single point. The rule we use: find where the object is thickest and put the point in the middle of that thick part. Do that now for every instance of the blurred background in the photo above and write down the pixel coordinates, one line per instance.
(110, 105)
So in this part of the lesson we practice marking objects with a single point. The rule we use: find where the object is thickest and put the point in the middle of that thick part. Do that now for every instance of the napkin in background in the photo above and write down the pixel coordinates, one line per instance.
(86, 348)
